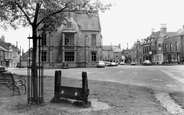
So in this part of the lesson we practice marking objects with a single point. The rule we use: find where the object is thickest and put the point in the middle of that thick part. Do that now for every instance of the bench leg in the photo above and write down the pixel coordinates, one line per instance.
(18, 90)
(25, 89)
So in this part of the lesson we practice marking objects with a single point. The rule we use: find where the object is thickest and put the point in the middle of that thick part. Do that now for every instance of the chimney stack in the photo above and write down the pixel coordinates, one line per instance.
(16, 44)
(163, 28)
(3, 38)
(152, 30)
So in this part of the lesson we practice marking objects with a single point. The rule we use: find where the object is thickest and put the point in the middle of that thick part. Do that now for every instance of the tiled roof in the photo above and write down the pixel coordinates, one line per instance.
(116, 49)
(107, 48)
(155, 34)
(180, 32)
(87, 22)
(6, 46)
(3, 49)
(171, 34)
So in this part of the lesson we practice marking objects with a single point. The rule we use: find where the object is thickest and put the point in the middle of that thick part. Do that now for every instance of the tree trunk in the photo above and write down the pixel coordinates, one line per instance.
(34, 65)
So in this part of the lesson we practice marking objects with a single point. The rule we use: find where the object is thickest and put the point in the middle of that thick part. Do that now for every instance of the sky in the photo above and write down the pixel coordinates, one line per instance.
(125, 22)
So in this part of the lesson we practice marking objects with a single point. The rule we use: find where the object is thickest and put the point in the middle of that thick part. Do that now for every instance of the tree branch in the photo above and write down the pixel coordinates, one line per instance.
(51, 14)
(27, 17)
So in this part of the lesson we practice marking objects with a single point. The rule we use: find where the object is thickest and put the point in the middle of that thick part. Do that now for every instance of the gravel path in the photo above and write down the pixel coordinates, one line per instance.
(169, 104)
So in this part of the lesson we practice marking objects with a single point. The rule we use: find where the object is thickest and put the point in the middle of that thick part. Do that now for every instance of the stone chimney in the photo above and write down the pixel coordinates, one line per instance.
(152, 30)
(163, 28)
(3, 38)
(16, 44)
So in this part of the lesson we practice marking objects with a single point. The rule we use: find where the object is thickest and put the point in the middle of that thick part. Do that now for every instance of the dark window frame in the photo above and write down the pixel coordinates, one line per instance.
(93, 41)
(176, 46)
(69, 39)
(93, 56)
(44, 39)
(44, 56)
(70, 56)
(171, 47)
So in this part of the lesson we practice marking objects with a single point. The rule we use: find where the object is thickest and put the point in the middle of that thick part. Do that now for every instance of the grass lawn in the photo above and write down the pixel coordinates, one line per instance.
(122, 99)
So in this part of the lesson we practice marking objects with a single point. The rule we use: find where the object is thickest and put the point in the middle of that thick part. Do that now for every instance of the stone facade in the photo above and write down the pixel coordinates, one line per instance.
(77, 42)
(112, 53)
(173, 48)
(160, 47)
(9, 54)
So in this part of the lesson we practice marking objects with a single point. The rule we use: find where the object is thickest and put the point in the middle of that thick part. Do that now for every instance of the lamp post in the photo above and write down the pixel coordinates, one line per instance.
(150, 53)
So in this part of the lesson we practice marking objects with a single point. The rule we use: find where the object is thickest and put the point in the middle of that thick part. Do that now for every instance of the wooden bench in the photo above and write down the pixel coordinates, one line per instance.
(13, 83)
(69, 92)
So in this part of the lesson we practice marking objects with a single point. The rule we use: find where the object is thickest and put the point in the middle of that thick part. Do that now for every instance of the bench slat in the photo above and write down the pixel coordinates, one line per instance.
(70, 92)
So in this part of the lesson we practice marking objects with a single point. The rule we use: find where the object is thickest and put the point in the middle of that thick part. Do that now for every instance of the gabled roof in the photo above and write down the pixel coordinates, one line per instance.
(87, 22)
(3, 49)
(116, 49)
(155, 34)
(6, 46)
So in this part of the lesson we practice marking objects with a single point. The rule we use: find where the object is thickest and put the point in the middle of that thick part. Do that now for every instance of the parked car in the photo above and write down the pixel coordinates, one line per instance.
(101, 64)
(132, 63)
(122, 63)
(107, 63)
(114, 64)
(147, 62)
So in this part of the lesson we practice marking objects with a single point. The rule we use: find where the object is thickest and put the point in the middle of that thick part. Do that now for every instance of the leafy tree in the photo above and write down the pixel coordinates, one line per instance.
(37, 12)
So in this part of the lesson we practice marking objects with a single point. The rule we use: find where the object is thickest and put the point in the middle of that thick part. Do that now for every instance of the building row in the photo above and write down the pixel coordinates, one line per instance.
(9, 54)
(161, 47)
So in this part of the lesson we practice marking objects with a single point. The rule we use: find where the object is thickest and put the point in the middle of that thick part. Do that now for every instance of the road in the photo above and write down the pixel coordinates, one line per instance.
(159, 77)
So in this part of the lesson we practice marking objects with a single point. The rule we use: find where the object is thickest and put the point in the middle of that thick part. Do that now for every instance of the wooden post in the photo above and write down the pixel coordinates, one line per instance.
(57, 84)
(85, 88)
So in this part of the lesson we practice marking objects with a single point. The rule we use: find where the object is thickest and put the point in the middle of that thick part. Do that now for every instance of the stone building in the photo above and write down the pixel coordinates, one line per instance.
(77, 42)
(9, 54)
(117, 55)
(112, 53)
(173, 47)
(157, 40)
(126, 53)
(107, 53)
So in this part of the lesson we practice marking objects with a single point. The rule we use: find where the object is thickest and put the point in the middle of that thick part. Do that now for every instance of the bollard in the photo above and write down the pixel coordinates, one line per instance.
(85, 88)
(57, 84)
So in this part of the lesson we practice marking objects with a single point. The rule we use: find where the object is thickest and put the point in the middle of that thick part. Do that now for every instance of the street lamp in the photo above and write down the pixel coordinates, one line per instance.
(150, 53)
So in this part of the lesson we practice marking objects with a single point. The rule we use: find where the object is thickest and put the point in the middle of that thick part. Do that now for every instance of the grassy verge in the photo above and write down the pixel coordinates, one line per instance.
(124, 100)
(178, 97)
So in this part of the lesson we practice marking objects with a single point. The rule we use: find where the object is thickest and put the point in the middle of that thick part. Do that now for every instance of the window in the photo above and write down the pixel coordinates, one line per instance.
(170, 46)
(176, 45)
(69, 24)
(165, 47)
(44, 56)
(1, 55)
(93, 56)
(69, 39)
(44, 39)
(69, 56)
(93, 39)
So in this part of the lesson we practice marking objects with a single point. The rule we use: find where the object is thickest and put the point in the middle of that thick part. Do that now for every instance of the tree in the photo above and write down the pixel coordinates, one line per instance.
(37, 12)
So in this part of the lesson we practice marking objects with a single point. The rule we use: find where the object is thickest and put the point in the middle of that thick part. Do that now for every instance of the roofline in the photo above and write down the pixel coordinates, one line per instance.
(92, 30)
(4, 49)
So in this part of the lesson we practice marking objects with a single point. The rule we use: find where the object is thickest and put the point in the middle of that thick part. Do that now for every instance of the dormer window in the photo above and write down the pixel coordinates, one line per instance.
(69, 24)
